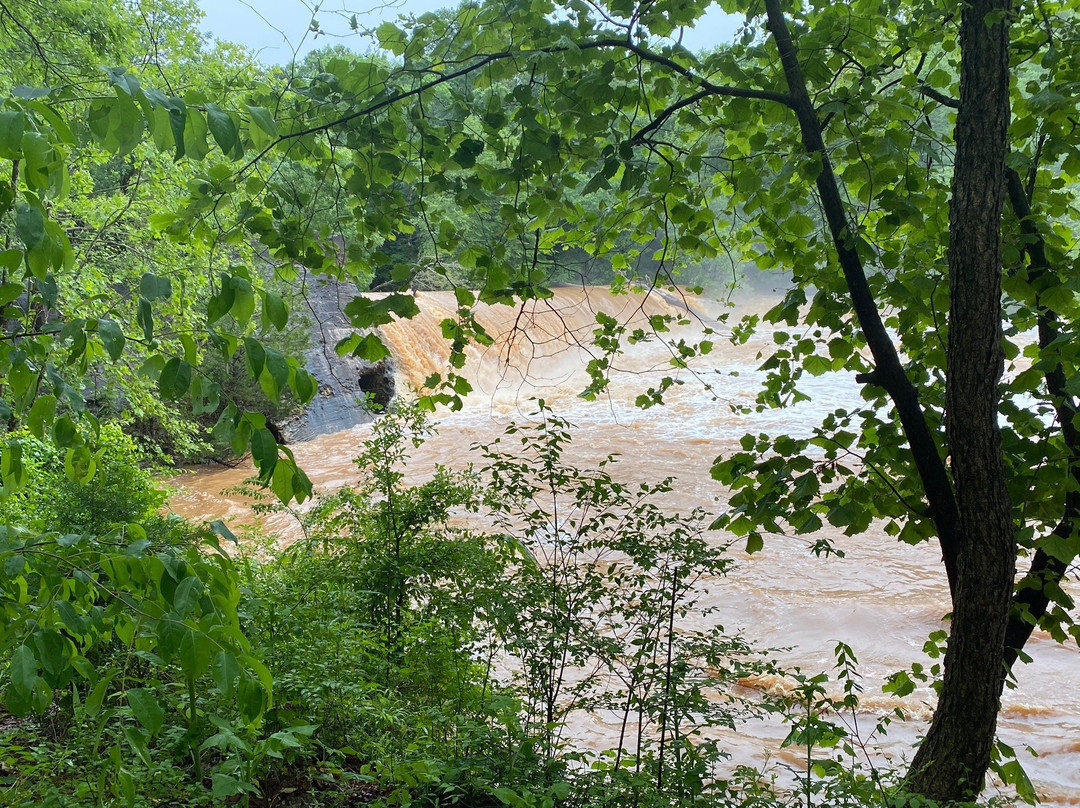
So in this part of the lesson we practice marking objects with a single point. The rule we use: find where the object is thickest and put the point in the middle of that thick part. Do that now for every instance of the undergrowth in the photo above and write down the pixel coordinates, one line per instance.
(429, 644)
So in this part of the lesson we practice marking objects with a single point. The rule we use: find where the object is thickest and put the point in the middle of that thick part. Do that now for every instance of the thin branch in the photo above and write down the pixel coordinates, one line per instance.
(34, 41)
(615, 44)
(663, 116)
(940, 97)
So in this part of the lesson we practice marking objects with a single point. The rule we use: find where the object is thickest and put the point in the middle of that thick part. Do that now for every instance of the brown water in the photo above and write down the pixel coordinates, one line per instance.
(883, 598)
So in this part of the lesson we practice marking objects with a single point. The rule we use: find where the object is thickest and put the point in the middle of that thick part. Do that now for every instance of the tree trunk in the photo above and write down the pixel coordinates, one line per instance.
(951, 764)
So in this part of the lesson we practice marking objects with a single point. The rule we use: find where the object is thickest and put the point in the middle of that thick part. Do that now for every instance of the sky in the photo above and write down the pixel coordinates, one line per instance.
(276, 29)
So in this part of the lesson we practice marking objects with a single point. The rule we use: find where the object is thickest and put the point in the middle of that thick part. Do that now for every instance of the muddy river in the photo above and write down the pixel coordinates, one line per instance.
(883, 598)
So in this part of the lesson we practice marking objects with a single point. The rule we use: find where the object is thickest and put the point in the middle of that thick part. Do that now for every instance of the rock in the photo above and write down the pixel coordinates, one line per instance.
(345, 382)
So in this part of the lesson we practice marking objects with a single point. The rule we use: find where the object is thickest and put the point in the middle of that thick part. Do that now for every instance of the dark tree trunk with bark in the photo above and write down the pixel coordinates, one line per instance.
(974, 519)
(951, 764)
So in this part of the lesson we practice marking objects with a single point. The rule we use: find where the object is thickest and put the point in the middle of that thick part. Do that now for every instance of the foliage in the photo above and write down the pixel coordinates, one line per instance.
(111, 488)
(822, 135)
(599, 618)
(374, 624)
(392, 630)
(387, 631)
(122, 616)
(833, 160)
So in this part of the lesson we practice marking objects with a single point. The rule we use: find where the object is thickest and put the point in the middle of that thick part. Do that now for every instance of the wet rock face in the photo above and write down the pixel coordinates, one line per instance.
(345, 382)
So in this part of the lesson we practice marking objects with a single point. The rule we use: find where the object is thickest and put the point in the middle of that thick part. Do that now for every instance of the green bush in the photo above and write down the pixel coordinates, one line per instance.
(121, 489)
(120, 631)
(373, 624)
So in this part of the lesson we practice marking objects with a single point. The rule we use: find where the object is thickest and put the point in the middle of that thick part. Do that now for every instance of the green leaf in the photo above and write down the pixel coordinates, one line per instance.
(122, 81)
(243, 305)
(145, 318)
(17, 702)
(262, 118)
(112, 337)
(816, 365)
(70, 618)
(754, 543)
(65, 433)
(205, 395)
(14, 565)
(52, 651)
(899, 683)
(30, 225)
(161, 222)
(264, 451)
(223, 128)
(226, 669)
(223, 786)
(274, 311)
(92, 703)
(12, 470)
(219, 527)
(12, 125)
(255, 355)
(59, 123)
(127, 787)
(371, 349)
(137, 741)
(304, 386)
(186, 596)
(41, 415)
(146, 709)
(154, 287)
(194, 136)
(23, 670)
(367, 313)
(194, 652)
(281, 482)
(467, 152)
(191, 350)
(275, 375)
(178, 123)
(39, 161)
(80, 465)
(12, 291)
(175, 379)
(220, 304)
(116, 123)
(1012, 773)
(391, 38)
(159, 122)
(251, 699)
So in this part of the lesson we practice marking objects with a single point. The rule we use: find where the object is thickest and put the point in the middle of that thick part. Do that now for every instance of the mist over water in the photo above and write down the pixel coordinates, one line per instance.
(883, 598)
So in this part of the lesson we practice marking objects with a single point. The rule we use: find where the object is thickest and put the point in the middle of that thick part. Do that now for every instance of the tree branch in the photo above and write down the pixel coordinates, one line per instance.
(1032, 599)
(940, 97)
(707, 88)
(888, 372)
(663, 116)
(35, 43)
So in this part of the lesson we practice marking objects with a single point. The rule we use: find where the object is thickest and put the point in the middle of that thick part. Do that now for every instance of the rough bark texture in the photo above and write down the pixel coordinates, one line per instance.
(975, 524)
(951, 764)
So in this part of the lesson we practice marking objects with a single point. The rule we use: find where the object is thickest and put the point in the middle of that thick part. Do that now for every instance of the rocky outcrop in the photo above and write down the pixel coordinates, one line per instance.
(346, 383)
